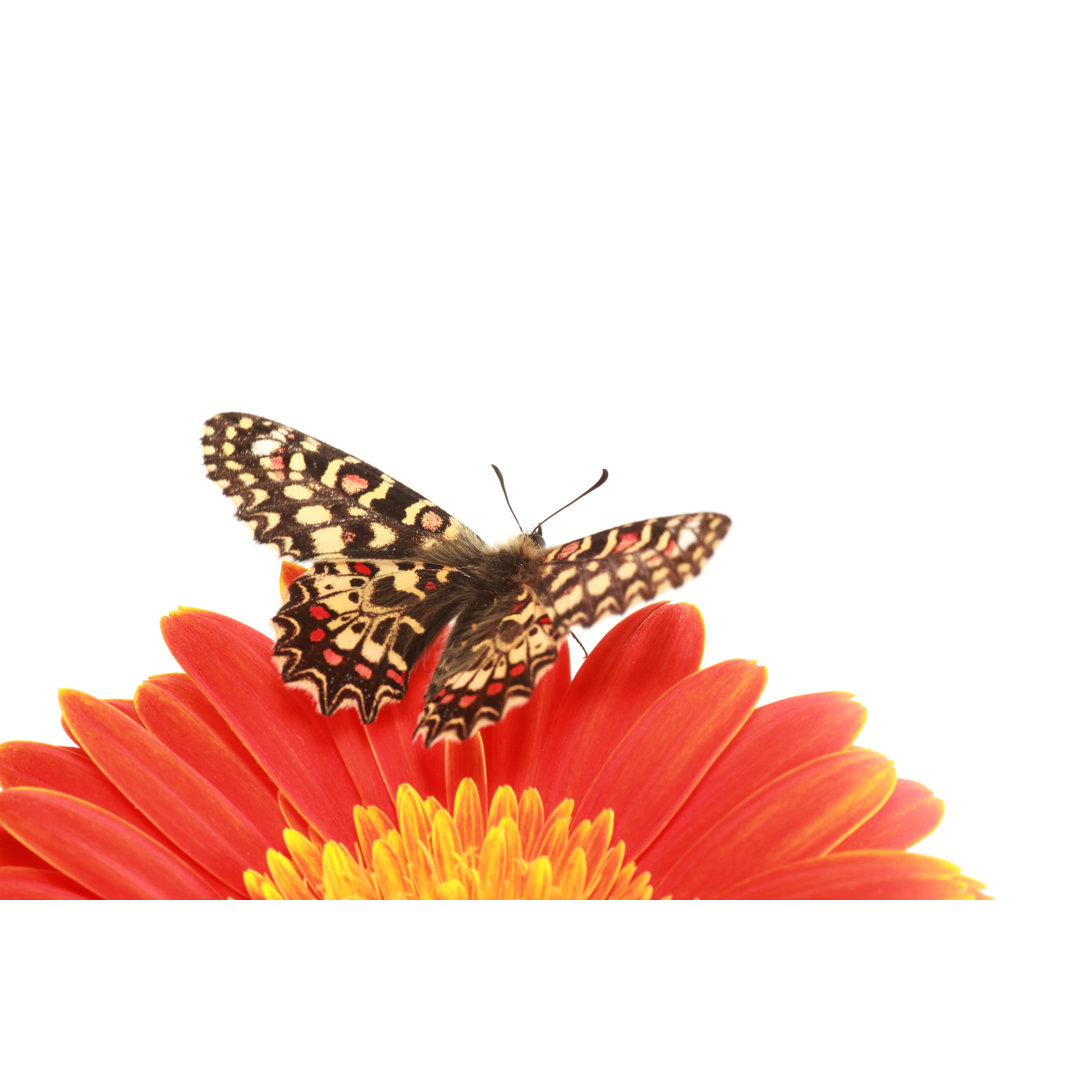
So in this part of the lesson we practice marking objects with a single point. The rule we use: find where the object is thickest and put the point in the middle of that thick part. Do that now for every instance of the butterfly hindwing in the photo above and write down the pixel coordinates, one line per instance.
(352, 630)
(605, 573)
(491, 661)
(310, 499)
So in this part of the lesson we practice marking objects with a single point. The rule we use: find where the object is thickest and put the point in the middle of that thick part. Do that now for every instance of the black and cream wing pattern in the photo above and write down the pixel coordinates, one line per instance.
(391, 569)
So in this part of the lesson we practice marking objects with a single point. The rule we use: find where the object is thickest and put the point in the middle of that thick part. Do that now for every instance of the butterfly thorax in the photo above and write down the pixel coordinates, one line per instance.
(492, 571)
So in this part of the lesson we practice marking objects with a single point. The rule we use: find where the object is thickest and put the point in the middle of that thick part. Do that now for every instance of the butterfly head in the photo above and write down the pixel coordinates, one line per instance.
(537, 535)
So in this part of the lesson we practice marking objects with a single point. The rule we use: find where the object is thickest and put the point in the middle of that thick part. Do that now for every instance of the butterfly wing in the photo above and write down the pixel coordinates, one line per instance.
(350, 631)
(496, 653)
(605, 573)
(354, 625)
(492, 660)
(311, 500)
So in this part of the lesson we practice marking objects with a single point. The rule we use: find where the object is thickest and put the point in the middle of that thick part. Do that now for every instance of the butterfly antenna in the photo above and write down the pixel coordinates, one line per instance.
(502, 484)
(603, 477)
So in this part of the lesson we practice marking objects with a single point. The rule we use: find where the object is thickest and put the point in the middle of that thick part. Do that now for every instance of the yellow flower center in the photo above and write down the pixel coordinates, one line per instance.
(515, 853)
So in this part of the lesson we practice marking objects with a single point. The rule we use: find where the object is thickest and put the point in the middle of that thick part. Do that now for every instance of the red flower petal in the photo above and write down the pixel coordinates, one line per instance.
(182, 804)
(289, 738)
(126, 706)
(195, 742)
(669, 749)
(13, 853)
(352, 738)
(637, 661)
(911, 814)
(70, 771)
(785, 734)
(861, 875)
(31, 883)
(800, 815)
(390, 747)
(777, 738)
(99, 851)
(512, 745)
(183, 690)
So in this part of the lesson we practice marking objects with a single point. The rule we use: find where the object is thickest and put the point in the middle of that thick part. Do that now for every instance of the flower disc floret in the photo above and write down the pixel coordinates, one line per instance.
(514, 852)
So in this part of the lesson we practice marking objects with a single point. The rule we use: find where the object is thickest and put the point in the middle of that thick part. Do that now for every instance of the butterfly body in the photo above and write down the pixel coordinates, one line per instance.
(391, 570)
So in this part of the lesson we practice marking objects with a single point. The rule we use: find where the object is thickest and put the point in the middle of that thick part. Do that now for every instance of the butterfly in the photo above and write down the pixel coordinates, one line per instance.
(392, 569)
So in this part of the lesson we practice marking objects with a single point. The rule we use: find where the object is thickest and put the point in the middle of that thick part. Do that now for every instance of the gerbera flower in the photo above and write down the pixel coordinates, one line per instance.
(643, 776)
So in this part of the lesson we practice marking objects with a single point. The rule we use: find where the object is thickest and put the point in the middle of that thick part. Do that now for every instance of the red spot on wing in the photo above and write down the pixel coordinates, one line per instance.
(494, 688)
(395, 676)
(567, 549)
(429, 585)
(332, 657)
(317, 611)
(317, 634)
(467, 700)
(625, 540)
(362, 670)
(517, 669)
(671, 548)
(431, 521)
(362, 568)
(277, 462)
(352, 484)
(544, 620)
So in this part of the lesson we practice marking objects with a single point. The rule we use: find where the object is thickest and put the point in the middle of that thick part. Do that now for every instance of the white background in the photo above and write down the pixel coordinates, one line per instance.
(814, 266)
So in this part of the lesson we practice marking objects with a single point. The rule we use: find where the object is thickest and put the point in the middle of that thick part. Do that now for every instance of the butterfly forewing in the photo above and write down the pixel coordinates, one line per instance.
(392, 569)
(605, 573)
(310, 499)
